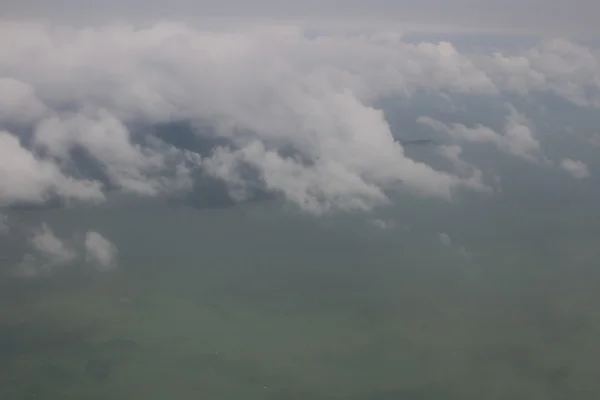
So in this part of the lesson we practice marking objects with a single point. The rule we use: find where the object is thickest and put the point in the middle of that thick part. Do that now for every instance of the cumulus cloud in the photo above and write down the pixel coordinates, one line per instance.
(24, 177)
(444, 239)
(100, 252)
(105, 138)
(18, 103)
(47, 253)
(560, 67)
(576, 168)
(469, 171)
(297, 110)
(517, 138)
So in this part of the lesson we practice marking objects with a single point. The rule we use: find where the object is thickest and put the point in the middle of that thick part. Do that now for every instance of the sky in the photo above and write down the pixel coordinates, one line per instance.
(551, 17)
(409, 185)
(293, 100)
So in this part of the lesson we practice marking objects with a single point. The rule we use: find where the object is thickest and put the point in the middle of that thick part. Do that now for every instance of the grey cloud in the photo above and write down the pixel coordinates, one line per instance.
(517, 138)
(107, 140)
(445, 239)
(100, 253)
(47, 254)
(560, 67)
(576, 168)
(474, 175)
(24, 177)
(575, 17)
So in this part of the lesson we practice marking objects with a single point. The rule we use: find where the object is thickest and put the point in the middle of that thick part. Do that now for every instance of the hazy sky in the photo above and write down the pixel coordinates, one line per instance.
(560, 17)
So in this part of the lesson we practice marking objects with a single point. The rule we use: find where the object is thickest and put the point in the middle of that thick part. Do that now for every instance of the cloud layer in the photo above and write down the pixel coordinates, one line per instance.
(298, 114)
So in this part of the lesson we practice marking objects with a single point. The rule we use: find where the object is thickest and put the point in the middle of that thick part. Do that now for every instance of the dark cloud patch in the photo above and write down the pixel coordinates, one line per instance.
(212, 193)
(85, 166)
(184, 136)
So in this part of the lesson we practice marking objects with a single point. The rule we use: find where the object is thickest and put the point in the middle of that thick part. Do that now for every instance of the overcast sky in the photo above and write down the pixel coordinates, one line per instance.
(551, 17)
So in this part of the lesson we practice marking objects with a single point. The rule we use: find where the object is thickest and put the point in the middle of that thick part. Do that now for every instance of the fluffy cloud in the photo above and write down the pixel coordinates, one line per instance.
(264, 91)
(25, 177)
(517, 138)
(100, 252)
(18, 103)
(470, 172)
(560, 67)
(47, 253)
(127, 166)
(576, 168)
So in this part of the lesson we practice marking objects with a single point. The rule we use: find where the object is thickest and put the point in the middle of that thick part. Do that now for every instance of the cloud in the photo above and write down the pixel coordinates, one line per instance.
(264, 90)
(462, 251)
(576, 168)
(297, 110)
(127, 166)
(24, 177)
(517, 138)
(384, 225)
(469, 171)
(560, 67)
(100, 252)
(465, 253)
(18, 103)
(445, 239)
(47, 254)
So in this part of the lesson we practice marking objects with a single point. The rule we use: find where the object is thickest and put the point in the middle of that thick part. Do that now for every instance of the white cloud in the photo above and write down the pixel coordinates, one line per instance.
(445, 239)
(107, 140)
(47, 253)
(27, 178)
(560, 67)
(468, 171)
(264, 89)
(100, 252)
(576, 168)
(18, 103)
(517, 138)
